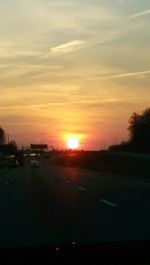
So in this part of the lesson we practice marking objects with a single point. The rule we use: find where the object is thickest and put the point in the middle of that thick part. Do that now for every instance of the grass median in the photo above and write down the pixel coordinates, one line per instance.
(114, 163)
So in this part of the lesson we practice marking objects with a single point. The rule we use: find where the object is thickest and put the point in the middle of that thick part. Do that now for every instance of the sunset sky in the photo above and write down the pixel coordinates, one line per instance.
(73, 67)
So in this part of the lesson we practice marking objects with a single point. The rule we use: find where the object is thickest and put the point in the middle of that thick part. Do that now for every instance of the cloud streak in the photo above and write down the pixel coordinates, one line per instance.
(140, 14)
(130, 74)
(68, 47)
(76, 45)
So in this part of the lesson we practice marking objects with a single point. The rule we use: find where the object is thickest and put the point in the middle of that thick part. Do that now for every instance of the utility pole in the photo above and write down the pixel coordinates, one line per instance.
(8, 137)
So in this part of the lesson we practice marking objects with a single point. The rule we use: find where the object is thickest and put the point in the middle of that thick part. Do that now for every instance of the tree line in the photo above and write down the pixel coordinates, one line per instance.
(7, 148)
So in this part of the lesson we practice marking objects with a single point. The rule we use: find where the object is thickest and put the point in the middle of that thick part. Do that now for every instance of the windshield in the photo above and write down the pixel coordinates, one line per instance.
(74, 122)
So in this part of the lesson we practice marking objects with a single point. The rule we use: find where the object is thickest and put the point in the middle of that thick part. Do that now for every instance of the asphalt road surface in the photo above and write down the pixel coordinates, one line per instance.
(56, 205)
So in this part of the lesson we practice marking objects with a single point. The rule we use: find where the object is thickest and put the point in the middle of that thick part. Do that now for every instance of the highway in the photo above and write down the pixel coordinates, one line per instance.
(60, 205)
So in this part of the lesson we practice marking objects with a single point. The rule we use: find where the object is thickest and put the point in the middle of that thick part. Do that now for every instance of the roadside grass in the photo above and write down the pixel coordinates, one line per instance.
(108, 162)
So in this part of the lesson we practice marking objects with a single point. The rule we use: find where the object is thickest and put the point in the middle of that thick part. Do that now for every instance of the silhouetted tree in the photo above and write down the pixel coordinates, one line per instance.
(139, 129)
(2, 136)
(139, 134)
(122, 147)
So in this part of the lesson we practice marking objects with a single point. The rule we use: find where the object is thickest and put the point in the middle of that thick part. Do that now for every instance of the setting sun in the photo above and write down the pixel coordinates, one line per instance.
(72, 142)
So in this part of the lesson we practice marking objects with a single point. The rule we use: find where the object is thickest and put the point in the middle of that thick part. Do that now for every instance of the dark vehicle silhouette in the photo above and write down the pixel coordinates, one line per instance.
(34, 163)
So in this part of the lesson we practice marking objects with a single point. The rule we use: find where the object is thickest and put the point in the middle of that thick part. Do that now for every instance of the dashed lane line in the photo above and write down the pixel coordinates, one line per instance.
(81, 188)
(108, 203)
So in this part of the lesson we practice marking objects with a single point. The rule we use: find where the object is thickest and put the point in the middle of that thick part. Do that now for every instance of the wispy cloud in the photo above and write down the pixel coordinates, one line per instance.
(75, 45)
(130, 74)
(143, 13)
(68, 47)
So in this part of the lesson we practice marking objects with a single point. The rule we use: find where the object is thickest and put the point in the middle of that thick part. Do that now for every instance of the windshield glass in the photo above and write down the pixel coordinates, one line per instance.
(74, 121)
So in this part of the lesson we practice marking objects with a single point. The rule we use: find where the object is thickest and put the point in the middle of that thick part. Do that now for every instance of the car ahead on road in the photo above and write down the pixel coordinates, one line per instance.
(13, 163)
(34, 163)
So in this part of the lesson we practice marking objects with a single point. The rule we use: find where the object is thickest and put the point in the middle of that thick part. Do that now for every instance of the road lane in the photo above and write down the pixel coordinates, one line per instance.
(133, 215)
(132, 197)
(8, 176)
(44, 206)
(127, 191)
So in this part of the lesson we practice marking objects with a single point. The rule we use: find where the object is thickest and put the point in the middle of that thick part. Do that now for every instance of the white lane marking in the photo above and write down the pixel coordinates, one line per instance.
(81, 188)
(108, 203)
